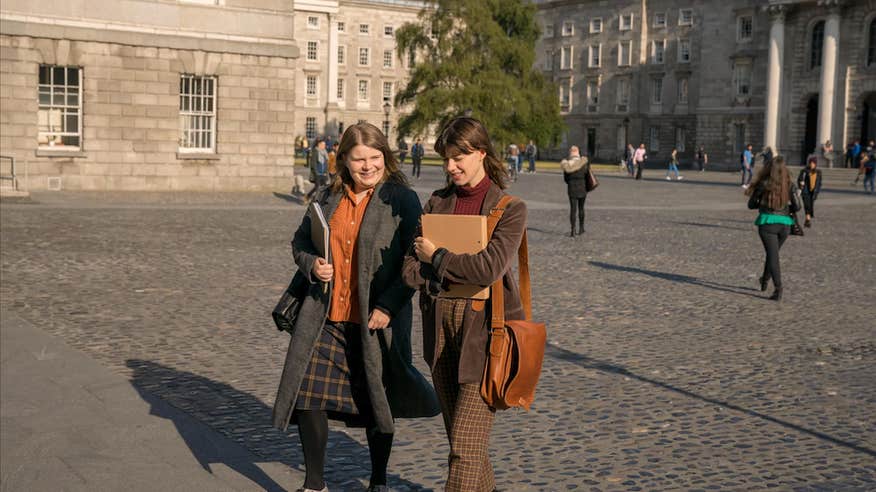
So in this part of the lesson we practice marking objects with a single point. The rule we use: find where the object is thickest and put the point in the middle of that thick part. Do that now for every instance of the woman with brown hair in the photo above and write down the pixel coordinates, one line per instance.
(774, 194)
(349, 358)
(456, 331)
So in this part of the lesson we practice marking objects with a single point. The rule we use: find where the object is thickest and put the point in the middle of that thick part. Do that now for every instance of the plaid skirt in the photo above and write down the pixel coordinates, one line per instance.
(335, 377)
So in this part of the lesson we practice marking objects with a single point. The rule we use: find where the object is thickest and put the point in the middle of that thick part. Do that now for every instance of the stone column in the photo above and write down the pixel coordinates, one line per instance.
(774, 77)
(828, 74)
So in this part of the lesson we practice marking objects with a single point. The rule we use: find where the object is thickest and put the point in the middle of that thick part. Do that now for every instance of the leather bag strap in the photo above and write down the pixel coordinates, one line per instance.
(497, 291)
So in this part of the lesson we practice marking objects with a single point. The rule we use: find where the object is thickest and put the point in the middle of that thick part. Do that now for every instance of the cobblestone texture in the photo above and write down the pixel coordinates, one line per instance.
(666, 369)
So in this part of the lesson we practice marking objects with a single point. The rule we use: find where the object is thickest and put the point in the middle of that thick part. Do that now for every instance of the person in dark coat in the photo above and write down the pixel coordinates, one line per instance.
(809, 182)
(575, 169)
(349, 358)
(456, 331)
(417, 153)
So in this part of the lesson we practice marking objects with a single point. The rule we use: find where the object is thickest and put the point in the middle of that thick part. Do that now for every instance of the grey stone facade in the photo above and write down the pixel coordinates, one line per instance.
(726, 75)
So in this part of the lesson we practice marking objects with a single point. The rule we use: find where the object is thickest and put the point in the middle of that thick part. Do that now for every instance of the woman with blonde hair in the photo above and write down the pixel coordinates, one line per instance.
(774, 194)
(456, 331)
(349, 358)
(575, 169)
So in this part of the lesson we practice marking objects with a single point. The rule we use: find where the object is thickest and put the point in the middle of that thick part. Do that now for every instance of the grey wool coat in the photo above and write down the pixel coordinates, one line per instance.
(483, 268)
(395, 387)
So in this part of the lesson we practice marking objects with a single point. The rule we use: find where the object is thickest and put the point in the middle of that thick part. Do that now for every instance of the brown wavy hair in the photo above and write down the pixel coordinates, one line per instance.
(465, 135)
(370, 136)
(775, 183)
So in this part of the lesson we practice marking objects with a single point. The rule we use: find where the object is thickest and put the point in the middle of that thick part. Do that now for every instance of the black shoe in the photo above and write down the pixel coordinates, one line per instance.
(764, 282)
(572, 234)
(807, 223)
(777, 294)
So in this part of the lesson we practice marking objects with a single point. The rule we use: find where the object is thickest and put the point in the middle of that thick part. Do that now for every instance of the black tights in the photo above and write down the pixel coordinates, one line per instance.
(773, 236)
(576, 208)
(313, 431)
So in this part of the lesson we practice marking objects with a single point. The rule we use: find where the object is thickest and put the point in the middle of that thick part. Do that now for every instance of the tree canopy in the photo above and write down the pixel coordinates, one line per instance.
(478, 56)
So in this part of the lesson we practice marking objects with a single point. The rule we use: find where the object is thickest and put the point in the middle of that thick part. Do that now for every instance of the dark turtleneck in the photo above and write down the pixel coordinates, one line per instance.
(470, 199)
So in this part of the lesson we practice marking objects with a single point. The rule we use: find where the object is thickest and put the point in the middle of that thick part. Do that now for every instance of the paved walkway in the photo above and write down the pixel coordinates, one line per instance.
(138, 353)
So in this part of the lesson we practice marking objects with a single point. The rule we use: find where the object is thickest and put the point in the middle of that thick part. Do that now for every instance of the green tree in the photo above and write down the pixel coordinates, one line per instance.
(478, 56)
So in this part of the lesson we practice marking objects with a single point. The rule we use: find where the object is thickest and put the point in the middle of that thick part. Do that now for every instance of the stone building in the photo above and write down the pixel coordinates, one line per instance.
(187, 94)
(789, 74)
(350, 68)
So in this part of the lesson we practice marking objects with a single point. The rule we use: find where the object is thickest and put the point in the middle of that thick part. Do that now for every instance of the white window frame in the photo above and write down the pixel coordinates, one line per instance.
(621, 62)
(55, 109)
(388, 61)
(312, 22)
(342, 27)
(596, 25)
(568, 28)
(620, 22)
(742, 84)
(566, 61)
(364, 50)
(197, 114)
(659, 20)
(359, 91)
(387, 95)
(341, 94)
(662, 52)
(549, 60)
(311, 86)
(315, 51)
(656, 91)
(592, 89)
(681, 43)
(597, 50)
(683, 93)
(681, 15)
(548, 31)
(388, 31)
(622, 98)
(364, 29)
(653, 139)
(342, 54)
(740, 21)
(565, 88)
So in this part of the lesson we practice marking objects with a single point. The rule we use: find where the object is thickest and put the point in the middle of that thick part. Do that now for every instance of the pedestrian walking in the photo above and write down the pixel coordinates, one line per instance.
(809, 182)
(702, 158)
(317, 161)
(333, 161)
(766, 154)
(349, 358)
(868, 163)
(640, 157)
(827, 153)
(531, 152)
(402, 152)
(575, 169)
(673, 165)
(456, 331)
(628, 159)
(853, 153)
(417, 153)
(512, 156)
(746, 160)
(774, 194)
(520, 156)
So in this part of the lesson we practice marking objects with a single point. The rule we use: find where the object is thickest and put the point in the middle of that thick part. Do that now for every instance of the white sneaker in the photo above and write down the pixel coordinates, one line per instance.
(744, 187)
(680, 178)
(668, 178)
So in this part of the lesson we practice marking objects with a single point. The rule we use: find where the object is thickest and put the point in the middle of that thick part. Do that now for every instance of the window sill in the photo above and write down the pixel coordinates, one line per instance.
(197, 156)
(46, 152)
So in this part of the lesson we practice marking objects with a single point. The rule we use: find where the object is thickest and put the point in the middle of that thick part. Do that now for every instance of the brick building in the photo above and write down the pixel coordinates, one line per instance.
(703, 72)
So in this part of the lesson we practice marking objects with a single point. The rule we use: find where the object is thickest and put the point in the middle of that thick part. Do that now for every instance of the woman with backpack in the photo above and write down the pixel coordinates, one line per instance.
(456, 331)
(809, 182)
(774, 194)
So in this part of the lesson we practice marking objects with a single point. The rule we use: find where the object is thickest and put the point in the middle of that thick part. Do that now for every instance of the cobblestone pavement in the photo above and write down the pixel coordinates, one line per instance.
(666, 370)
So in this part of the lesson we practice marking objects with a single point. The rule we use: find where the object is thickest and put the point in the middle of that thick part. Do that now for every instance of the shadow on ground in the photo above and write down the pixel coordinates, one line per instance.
(685, 279)
(246, 420)
(586, 362)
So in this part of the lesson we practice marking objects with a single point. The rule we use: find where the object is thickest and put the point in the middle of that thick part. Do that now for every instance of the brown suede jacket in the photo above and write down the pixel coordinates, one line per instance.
(483, 268)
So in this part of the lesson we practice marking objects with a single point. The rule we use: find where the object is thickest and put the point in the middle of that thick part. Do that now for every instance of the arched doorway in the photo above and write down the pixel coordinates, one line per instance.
(811, 131)
(868, 118)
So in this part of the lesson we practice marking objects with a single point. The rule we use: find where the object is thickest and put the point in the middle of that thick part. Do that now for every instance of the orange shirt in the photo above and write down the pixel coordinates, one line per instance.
(344, 226)
(813, 177)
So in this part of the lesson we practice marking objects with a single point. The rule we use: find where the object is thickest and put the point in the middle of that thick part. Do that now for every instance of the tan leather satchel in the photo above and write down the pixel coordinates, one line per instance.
(516, 347)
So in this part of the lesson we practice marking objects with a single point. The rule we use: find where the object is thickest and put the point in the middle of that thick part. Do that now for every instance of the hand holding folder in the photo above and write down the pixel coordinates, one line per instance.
(320, 234)
(458, 234)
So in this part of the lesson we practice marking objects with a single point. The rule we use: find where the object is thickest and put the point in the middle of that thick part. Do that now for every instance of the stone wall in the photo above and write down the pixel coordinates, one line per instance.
(130, 117)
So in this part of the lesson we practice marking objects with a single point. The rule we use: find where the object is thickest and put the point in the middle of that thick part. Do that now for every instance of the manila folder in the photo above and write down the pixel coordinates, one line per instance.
(458, 234)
